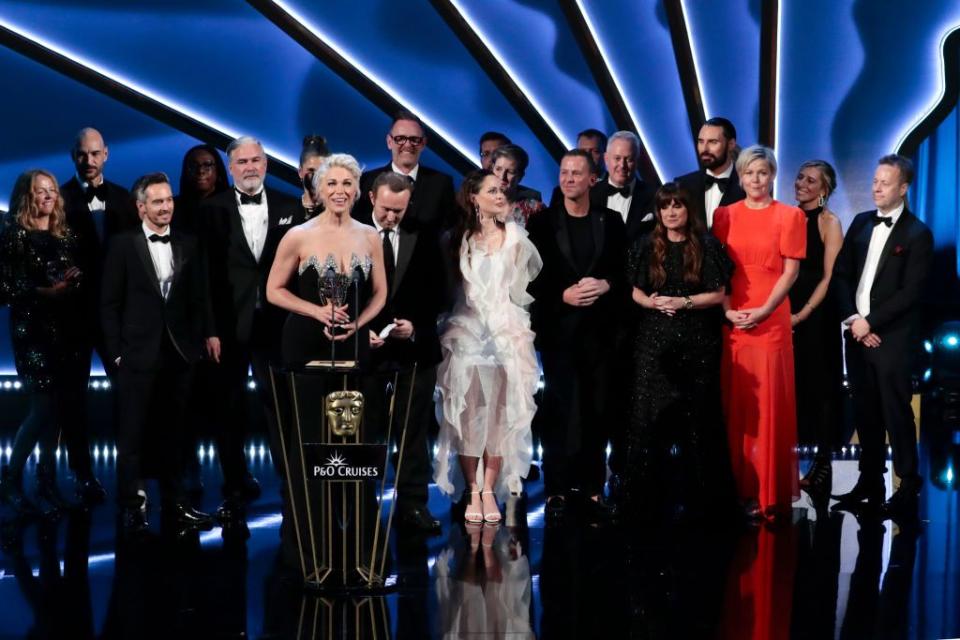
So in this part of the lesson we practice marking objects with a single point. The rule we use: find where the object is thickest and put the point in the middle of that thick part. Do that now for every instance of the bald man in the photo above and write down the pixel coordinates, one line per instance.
(96, 210)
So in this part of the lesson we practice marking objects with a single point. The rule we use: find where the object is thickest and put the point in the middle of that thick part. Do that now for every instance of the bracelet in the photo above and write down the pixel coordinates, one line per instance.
(687, 303)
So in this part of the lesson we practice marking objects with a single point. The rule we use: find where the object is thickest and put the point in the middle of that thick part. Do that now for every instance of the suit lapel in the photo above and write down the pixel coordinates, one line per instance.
(563, 238)
(598, 221)
(862, 238)
(408, 240)
(176, 245)
(732, 193)
(898, 236)
(236, 226)
(140, 246)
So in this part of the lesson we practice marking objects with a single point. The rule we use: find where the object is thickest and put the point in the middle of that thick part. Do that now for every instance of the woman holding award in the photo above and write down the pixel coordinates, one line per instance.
(489, 373)
(340, 281)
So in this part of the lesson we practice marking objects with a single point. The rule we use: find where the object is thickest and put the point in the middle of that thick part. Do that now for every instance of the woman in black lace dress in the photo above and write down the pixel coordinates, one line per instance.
(678, 462)
(39, 281)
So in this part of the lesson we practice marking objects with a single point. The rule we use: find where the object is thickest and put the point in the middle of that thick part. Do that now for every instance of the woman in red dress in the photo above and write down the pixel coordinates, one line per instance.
(766, 240)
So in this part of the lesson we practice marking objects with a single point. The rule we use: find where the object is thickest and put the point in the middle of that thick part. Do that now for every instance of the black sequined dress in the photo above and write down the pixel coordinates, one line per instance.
(302, 339)
(677, 460)
(46, 332)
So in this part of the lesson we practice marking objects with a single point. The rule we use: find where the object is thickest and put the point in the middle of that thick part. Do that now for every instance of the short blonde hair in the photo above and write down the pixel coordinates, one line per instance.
(756, 152)
(343, 161)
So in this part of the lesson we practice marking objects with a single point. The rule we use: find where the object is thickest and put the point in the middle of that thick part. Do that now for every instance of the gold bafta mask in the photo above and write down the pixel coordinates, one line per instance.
(344, 411)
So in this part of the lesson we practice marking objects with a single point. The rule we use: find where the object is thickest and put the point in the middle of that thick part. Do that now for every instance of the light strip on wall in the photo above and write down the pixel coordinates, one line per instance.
(617, 83)
(932, 104)
(171, 104)
(467, 151)
(696, 61)
(776, 96)
(488, 43)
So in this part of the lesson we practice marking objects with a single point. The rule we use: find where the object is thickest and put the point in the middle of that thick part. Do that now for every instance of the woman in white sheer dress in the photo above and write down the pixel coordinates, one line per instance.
(489, 372)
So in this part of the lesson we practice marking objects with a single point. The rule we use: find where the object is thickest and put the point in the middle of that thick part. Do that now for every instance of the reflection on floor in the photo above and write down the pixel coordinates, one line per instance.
(825, 575)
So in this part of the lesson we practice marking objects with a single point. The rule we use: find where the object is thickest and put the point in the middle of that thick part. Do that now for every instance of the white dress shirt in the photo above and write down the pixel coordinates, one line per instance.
(162, 255)
(878, 239)
(713, 195)
(255, 221)
(620, 204)
(97, 207)
(394, 239)
(413, 172)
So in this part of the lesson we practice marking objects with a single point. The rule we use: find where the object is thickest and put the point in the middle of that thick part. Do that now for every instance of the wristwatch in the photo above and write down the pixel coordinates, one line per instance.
(687, 303)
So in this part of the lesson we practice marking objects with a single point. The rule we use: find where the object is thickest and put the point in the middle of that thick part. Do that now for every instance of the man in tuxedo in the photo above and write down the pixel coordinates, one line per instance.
(96, 210)
(155, 314)
(490, 141)
(241, 229)
(623, 191)
(415, 291)
(878, 279)
(594, 142)
(577, 299)
(432, 205)
(716, 183)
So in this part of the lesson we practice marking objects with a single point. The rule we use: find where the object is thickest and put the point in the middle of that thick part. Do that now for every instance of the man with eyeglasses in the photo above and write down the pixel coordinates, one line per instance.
(432, 206)
(490, 142)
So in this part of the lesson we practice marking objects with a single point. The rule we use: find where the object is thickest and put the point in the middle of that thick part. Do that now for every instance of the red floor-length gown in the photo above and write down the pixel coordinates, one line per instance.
(757, 374)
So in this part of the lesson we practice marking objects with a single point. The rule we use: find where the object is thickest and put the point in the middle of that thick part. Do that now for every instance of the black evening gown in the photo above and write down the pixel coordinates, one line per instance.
(302, 339)
(678, 466)
(45, 332)
(817, 351)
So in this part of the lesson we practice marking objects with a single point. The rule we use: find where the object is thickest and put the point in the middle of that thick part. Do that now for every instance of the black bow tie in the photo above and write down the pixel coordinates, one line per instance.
(158, 238)
(878, 219)
(709, 181)
(623, 191)
(246, 198)
(96, 192)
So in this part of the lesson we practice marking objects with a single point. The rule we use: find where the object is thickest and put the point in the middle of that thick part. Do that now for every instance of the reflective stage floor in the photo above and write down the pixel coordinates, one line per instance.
(822, 575)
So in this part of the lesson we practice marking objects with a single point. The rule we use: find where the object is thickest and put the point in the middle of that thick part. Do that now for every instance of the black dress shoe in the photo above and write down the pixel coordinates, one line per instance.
(90, 491)
(132, 520)
(418, 519)
(230, 512)
(819, 478)
(555, 508)
(903, 503)
(869, 490)
(251, 488)
(599, 510)
(187, 515)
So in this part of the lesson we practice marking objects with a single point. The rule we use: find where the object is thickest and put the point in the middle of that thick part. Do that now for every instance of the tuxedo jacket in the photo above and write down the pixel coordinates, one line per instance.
(557, 324)
(238, 281)
(640, 206)
(417, 295)
(119, 215)
(432, 205)
(899, 280)
(694, 184)
(135, 315)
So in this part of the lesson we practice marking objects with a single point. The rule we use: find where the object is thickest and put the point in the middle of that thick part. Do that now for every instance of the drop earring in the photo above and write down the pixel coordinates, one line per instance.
(822, 201)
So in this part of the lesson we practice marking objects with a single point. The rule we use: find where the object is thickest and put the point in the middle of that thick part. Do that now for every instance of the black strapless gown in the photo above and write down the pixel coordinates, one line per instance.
(302, 339)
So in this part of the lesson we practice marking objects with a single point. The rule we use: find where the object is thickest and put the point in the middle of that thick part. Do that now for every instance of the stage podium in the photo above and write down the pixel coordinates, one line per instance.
(336, 427)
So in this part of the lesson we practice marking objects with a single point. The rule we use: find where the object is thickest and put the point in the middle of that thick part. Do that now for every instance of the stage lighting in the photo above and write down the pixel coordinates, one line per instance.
(945, 353)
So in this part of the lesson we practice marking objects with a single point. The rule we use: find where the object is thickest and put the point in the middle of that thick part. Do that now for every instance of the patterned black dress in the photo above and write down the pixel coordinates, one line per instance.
(46, 332)
(677, 453)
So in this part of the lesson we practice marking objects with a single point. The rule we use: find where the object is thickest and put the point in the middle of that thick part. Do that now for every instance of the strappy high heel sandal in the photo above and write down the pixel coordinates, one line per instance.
(474, 517)
(493, 517)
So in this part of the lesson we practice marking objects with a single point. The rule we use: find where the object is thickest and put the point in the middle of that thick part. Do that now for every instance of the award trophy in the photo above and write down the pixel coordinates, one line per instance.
(335, 289)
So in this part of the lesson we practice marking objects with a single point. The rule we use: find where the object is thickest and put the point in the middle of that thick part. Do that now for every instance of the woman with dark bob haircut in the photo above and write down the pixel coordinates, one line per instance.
(676, 435)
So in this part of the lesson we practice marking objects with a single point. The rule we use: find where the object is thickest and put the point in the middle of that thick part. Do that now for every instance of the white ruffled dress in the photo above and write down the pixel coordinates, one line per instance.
(489, 374)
